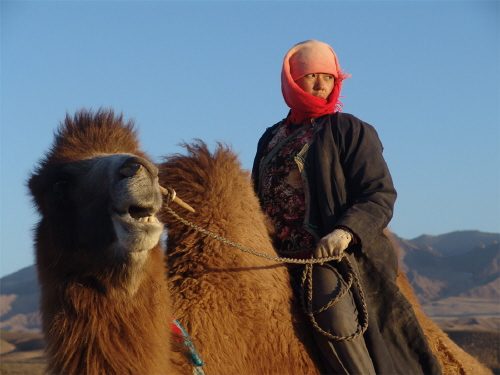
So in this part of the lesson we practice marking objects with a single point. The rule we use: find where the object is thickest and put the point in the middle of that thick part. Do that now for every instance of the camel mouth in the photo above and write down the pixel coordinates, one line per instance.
(142, 214)
(139, 214)
(137, 228)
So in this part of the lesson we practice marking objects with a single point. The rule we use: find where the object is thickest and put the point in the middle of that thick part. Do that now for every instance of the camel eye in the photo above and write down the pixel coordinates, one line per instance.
(61, 186)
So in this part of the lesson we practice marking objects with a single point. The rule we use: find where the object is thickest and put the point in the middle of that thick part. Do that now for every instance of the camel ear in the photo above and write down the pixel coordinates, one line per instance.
(61, 187)
(49, 188)
(38, 189)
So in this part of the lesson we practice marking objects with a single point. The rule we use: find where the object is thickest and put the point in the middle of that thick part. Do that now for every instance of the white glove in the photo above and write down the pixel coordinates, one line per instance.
(333, 244)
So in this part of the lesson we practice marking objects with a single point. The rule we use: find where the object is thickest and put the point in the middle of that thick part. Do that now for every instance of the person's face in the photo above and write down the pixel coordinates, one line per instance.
(317, 84)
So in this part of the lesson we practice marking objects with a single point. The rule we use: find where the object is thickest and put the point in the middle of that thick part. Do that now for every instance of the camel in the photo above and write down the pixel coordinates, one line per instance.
(105, 301)
(108, 291)
(236, 305)
(105, 304)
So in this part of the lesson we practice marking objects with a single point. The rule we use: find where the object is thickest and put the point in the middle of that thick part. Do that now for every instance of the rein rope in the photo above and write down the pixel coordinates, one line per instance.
(306, 278)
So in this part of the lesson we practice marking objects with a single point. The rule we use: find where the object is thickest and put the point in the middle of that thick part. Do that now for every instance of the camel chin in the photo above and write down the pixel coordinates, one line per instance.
(136, 235)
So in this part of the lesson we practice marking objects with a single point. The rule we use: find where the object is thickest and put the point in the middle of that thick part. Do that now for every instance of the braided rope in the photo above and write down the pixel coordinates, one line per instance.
(306, 277)
(245, 249)
(308, 310)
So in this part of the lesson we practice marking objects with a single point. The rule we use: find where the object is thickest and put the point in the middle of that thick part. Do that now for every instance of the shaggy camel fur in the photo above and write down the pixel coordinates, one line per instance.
(239, 307)
(104, 305)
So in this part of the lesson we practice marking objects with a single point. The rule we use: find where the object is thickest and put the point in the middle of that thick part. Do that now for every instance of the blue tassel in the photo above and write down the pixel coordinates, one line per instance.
(193, 354)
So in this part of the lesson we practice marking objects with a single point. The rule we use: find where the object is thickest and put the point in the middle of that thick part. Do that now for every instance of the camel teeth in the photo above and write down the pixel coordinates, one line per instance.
(144, 219)
(148, 219)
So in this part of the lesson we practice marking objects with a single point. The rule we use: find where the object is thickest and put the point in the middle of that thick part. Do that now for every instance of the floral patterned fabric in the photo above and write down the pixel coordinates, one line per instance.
(283, 197)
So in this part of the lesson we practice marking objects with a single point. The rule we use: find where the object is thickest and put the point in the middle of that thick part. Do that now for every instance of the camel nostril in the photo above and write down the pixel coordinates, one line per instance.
(130, 170)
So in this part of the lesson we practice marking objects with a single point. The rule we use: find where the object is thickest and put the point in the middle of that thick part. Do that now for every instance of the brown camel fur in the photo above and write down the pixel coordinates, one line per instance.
(105, 306)
(239, 307)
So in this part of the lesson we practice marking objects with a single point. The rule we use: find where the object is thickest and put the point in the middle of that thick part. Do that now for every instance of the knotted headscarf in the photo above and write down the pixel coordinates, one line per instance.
(307, 57)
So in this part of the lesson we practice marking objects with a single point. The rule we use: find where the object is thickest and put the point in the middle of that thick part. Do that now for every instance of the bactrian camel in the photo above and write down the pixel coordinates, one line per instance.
(104, 298)
(106, 305)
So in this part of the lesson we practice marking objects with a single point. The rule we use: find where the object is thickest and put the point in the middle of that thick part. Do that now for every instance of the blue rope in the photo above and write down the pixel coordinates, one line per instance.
(192, 354)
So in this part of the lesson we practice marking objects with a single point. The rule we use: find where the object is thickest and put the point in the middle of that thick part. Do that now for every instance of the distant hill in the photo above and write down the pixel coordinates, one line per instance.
(455, 275)
(456, 243)
(439, 266)
(19, 301)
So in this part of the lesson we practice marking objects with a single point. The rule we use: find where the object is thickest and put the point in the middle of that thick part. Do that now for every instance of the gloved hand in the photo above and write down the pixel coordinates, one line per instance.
(333, 244)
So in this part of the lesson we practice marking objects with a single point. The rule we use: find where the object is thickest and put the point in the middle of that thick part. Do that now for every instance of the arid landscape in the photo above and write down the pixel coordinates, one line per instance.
(21, 353)
(456, 277)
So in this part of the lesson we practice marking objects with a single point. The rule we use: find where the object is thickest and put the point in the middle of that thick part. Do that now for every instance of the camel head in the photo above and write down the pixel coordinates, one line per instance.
(98, 196)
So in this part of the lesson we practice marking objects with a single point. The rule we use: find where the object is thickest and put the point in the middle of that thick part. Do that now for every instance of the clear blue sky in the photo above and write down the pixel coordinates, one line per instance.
(426, 74)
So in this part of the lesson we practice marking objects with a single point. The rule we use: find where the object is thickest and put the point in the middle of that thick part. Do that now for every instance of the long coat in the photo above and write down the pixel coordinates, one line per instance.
(349, 185)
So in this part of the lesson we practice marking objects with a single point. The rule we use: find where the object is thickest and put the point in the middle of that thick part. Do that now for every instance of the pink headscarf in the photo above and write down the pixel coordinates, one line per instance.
(307, 57)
